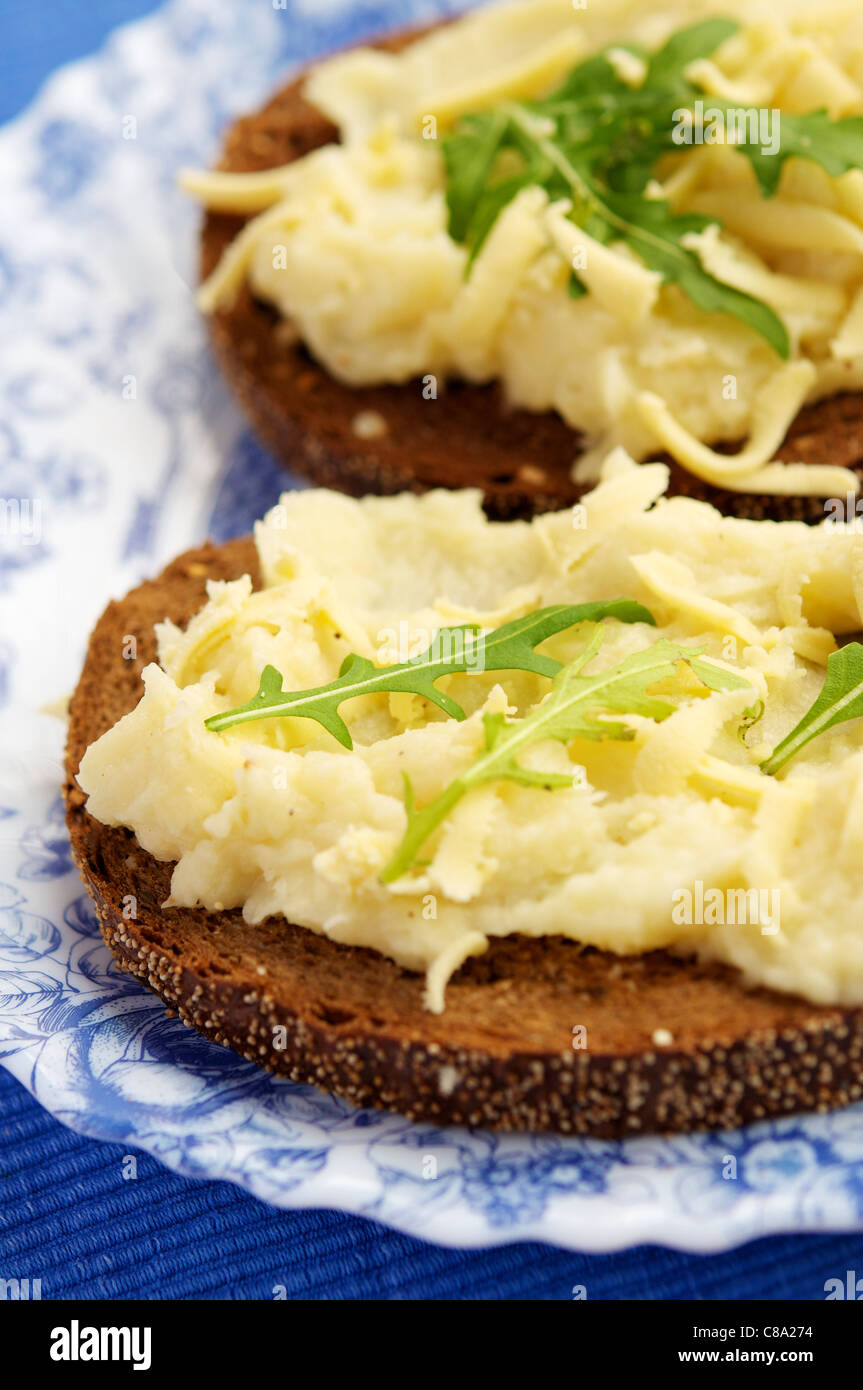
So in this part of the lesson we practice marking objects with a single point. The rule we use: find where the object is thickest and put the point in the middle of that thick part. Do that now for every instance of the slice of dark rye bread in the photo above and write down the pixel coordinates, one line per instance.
(502, 1053)
(468, 437)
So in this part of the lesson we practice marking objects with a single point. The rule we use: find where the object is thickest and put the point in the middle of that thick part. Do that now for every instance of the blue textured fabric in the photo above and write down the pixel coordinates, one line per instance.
(70, 1218)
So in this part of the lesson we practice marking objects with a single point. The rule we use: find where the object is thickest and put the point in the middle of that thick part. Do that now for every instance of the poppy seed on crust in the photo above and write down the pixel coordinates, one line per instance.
(501, 1055)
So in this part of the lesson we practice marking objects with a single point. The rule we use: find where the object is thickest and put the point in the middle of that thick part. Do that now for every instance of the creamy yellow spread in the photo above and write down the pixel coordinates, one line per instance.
(351, 244)
(275, 817)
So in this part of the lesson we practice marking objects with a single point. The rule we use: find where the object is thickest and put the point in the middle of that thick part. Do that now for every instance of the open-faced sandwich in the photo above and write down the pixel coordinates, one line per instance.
(487, 254)
(551, 824)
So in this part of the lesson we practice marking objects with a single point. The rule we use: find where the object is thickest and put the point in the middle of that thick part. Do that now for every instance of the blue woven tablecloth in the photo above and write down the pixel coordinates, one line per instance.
(68, 1216)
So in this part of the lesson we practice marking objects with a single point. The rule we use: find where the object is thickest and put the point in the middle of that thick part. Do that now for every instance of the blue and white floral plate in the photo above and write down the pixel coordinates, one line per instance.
(118, 448)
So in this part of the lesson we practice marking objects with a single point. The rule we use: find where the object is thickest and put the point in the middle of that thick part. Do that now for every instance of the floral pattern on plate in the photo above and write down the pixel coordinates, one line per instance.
(119, 448)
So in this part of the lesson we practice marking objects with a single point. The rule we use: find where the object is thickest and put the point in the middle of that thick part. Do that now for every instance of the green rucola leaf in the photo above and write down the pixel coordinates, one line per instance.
(593, 78)
(841, 699)
(489, 207)
(836, 145)
(452, 651)
(576, 288)
(656, 233)
(469, 156)
(577, 706)
(652, 230)
(667, 64)
(597, 76)
(511, 647)
(597, 141)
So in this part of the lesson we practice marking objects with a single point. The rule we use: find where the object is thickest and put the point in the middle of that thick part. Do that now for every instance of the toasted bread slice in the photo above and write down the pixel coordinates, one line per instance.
(469, 437)
(502, 1054)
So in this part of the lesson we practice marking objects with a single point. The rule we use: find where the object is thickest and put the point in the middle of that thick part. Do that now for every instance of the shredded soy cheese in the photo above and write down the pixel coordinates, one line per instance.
(275, 817)
(351, 242)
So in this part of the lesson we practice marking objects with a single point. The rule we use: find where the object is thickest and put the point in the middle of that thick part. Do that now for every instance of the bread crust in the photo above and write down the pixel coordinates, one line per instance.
(502, 1054)
(469, 436)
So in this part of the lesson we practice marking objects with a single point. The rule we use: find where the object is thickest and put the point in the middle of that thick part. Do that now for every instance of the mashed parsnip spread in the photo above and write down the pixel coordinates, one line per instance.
(275, 817)
(351, 244)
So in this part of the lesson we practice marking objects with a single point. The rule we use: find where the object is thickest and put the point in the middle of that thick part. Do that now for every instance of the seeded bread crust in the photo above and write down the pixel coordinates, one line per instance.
(469, 436)
(502, 1054)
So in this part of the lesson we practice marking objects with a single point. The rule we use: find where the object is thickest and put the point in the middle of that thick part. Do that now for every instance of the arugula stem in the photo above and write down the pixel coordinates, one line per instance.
(840, 699)
(597, 141)
(583, 190)
(420, 826)
(569, 711)
(525, 123)
(453, 651)
(298, 704)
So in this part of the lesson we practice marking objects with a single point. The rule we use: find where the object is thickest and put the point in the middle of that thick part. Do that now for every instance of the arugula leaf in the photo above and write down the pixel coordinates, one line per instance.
(656, 237)
(597, 77)
(654, 232)
(577, 289)
(667, 64)
(836, 145)
(453, 651)
(491, 205)
(594, 111)
(841, 699)
(574, 708)
(593, 77)
(596, 141)
(645, 116)
(469, 156)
